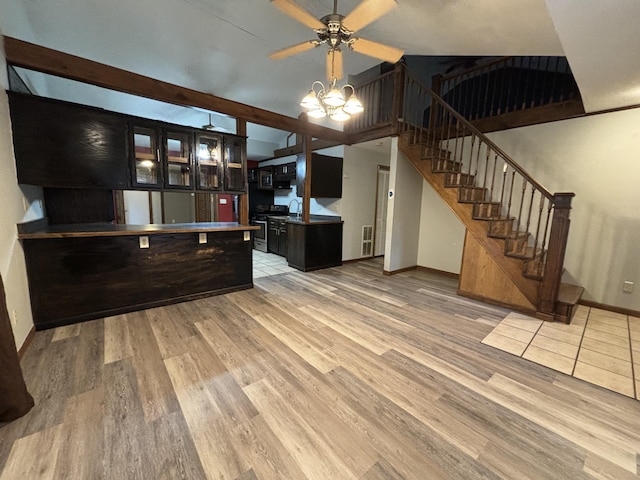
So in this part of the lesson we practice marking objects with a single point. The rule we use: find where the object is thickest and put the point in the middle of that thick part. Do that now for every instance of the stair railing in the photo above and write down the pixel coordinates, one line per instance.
(506, 85)
(533, 221)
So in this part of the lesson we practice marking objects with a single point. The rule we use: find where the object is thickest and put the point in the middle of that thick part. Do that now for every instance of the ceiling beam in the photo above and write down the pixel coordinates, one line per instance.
(42, 59)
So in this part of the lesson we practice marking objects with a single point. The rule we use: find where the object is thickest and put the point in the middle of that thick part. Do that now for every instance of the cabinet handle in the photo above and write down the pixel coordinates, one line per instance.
(158, 155)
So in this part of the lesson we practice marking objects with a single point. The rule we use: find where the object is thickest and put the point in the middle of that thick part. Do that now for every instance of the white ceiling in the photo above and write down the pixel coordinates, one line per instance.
(221, 46)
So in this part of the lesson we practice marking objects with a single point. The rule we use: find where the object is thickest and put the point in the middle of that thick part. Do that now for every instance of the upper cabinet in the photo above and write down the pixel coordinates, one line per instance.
(326, 176)
(178, 147)
(145, 156)
(235, 164)
(61, 144)
(209, 161)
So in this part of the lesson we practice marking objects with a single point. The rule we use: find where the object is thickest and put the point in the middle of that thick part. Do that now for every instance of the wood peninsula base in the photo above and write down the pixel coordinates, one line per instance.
(81, 273)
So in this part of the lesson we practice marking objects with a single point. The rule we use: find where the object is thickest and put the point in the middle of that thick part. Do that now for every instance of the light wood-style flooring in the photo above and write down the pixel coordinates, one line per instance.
(338, 374)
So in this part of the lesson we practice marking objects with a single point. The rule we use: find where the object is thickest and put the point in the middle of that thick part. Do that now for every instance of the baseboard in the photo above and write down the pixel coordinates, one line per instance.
(438, 272)
(27, 342)
(355, 260)
(491, 301)
(400, 270)
(611, 308)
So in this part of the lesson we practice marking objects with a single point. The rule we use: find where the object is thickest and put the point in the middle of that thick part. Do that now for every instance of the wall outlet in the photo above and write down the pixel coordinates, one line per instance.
(143, 242)
(627, 287)
(14, 318)
(202, 238)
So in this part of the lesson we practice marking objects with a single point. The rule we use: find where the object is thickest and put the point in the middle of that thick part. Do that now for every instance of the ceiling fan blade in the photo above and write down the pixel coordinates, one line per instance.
(368, 11)
(376, 50)
(334, 64)
(293, 50)
(298, 13)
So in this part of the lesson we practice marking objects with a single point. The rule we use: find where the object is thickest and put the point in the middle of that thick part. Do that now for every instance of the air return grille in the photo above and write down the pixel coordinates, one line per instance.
(367, 240)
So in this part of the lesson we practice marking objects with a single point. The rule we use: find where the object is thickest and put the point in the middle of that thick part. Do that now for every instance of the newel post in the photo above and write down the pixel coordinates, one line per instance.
(555, 254)
(398, 97)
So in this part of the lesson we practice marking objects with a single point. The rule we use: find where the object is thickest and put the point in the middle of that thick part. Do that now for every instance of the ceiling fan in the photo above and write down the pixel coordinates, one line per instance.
(336, 30)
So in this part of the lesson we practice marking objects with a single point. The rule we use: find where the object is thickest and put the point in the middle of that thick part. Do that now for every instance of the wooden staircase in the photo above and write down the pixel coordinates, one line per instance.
(516, 229)
(510, 248)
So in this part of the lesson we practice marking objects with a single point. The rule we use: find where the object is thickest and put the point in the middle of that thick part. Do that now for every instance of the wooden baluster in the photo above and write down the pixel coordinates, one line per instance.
(504, 184)
(493, 176)
(543, 83)
(524, 190)
(513, 179)
(555, 254)
(510, 82)
(540, 210)
(475, 172)
(473, 142)
(526, 230)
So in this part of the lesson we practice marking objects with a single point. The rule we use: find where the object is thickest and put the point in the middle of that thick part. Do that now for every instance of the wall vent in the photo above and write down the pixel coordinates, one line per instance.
(367, 241)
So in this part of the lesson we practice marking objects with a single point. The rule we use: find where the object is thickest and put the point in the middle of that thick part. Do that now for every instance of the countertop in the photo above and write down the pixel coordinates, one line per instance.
(108, 229)
(314, 220)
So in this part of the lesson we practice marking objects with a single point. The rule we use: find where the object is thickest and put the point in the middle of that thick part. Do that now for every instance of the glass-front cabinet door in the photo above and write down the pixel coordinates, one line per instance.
(178, 148)
(234, 164)
(209, 161)
(146, 157)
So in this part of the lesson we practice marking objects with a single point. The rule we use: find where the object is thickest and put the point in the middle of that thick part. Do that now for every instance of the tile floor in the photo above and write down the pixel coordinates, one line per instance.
(599, 346)
(266, 264)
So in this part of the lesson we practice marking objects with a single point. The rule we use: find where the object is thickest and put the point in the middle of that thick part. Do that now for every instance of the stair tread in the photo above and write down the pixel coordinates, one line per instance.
(570, 294)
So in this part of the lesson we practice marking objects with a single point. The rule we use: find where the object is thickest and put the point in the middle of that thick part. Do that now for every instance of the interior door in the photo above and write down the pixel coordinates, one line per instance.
(380, 227)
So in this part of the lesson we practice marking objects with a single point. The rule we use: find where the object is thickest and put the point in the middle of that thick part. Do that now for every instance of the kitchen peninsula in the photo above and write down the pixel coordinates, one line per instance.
(86, 271)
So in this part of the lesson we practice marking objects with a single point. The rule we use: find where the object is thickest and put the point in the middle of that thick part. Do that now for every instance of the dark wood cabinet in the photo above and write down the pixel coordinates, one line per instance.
(61, 144)
(326, 176)
(145, 144)
(235, 153)
(277, 236)
(178, 159)
(313, 246)
(81, 278)
(285, 172)
(209, 168)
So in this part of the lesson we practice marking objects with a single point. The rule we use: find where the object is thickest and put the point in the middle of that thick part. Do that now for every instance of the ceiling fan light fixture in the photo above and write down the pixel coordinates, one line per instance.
(334, 97)
(310, 101)
(353, 105)
(339, 115)
(317, 112)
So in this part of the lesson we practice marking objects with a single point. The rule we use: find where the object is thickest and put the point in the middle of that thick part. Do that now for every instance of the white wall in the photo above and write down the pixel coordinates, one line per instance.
(441, 233)
(598, 158)
(359, 184)
(17, 206)
(403, 214)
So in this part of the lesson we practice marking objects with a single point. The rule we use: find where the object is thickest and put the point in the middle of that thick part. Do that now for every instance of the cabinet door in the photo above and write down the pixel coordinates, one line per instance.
(146, 157)
(59, 144)
(272, 236)
(282, 238)
(234, 164)
(209, 162)
(178, 164)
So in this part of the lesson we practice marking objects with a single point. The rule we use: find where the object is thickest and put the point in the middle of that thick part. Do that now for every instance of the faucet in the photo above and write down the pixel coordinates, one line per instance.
(298, 206)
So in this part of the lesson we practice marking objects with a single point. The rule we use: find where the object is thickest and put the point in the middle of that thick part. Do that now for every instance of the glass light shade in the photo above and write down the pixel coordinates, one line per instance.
(353, 105)
(317, 112)
(310, 100)
(339, 115)
(334, 98)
